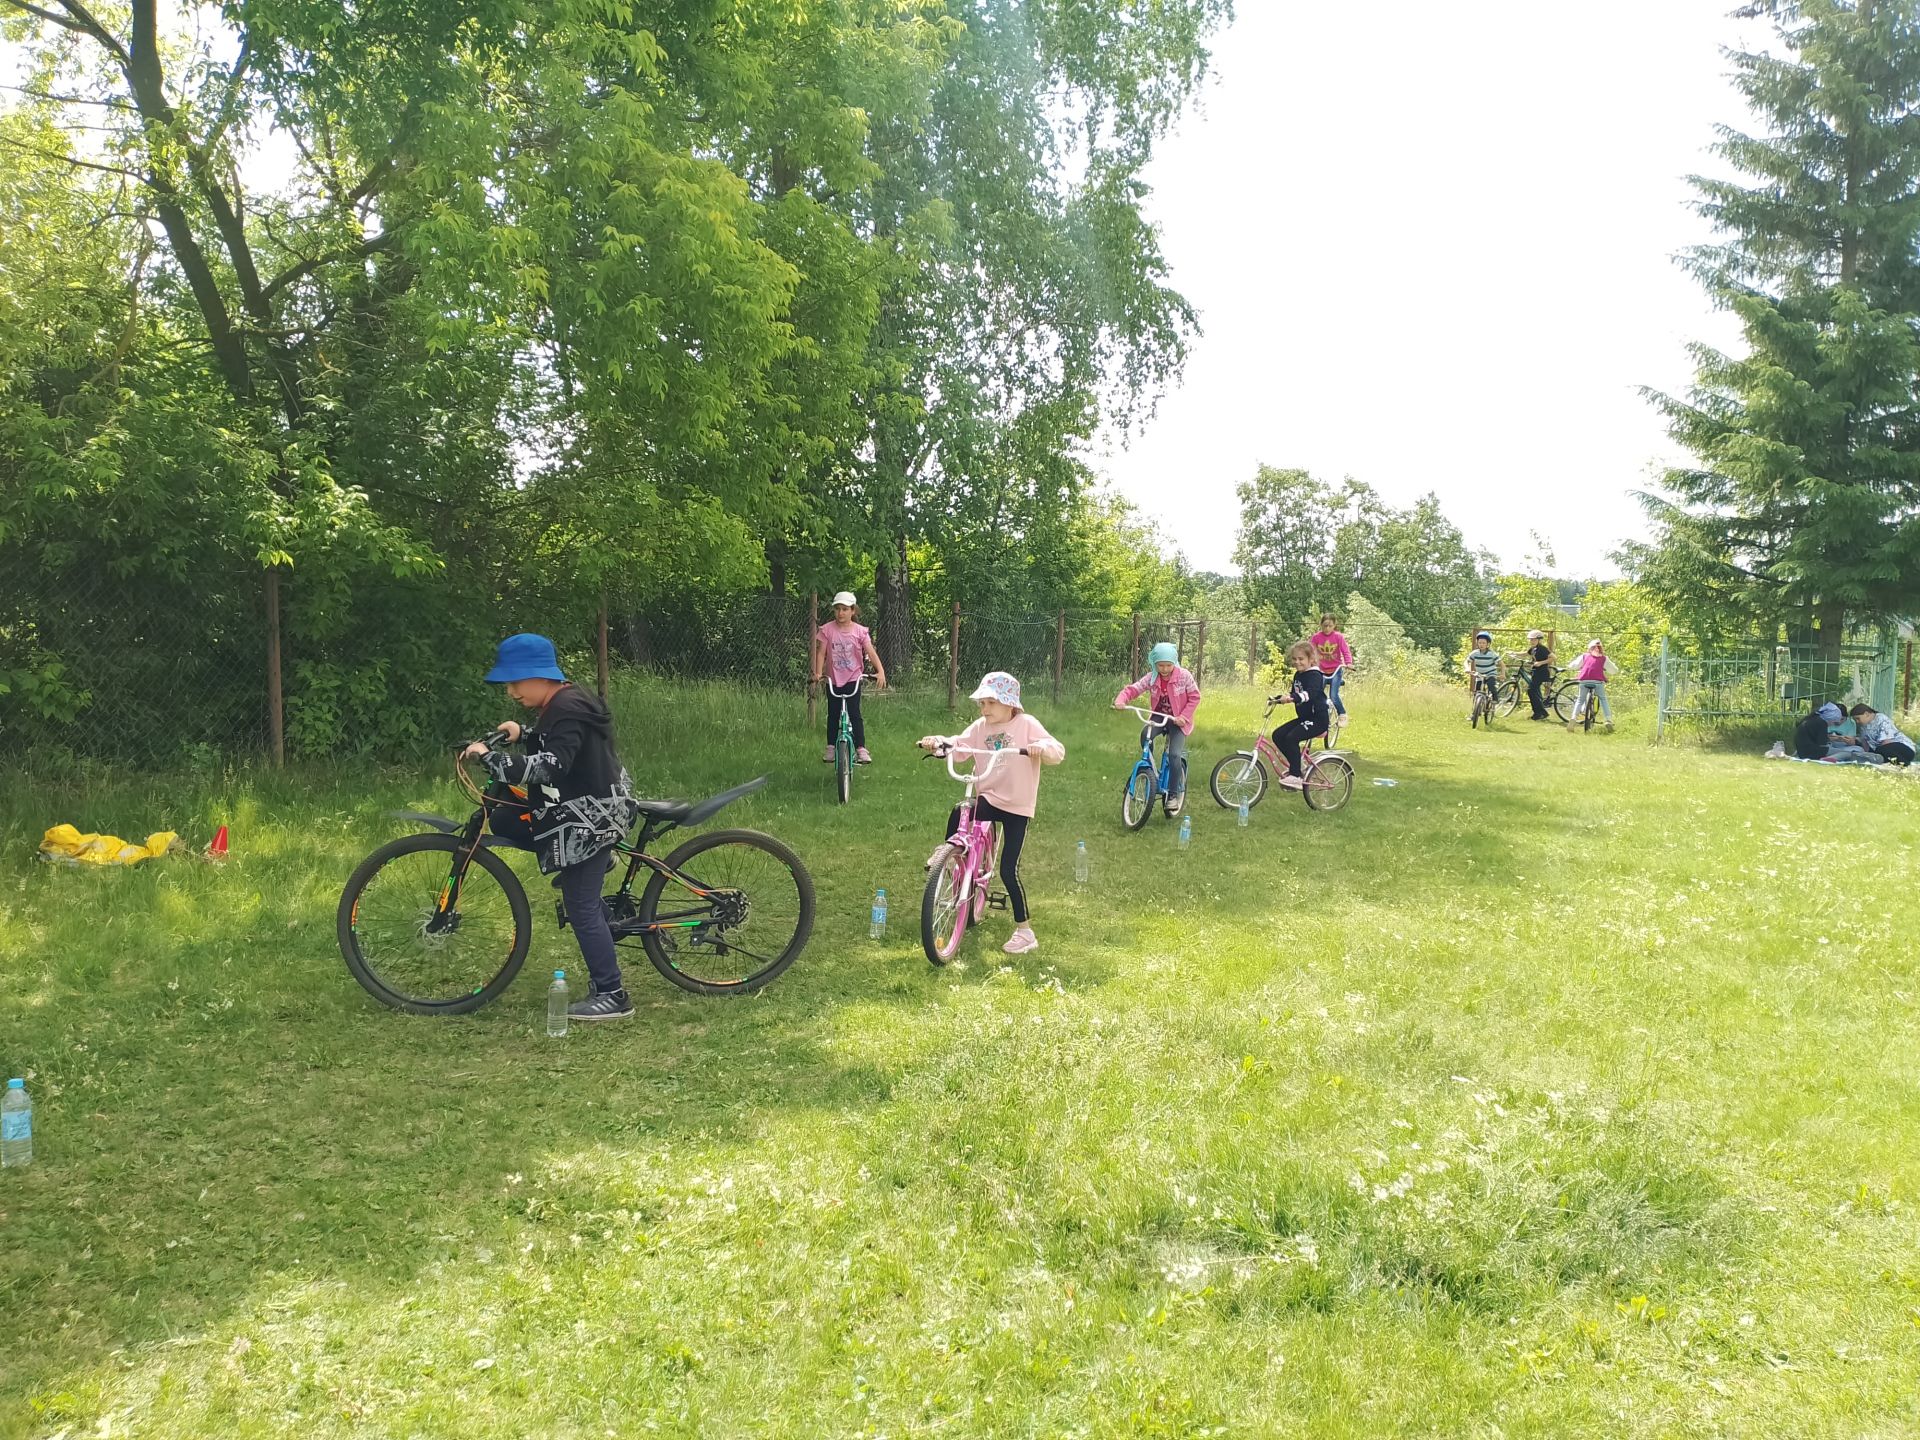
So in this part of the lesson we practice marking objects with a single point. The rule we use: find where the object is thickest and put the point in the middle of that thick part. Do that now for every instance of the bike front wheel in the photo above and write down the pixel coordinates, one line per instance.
(1238, 779)
(1509, 699)
(943, 915)
(739, 917)
(410, 949)
(1329, 784)
(843, 770)
(1136, 804)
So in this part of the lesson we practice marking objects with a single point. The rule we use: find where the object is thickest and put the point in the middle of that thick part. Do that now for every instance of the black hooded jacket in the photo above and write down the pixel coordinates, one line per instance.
(580, 795)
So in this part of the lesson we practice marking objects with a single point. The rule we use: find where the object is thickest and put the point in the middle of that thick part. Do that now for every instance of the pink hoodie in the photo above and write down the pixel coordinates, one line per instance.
(1178, 695)
(1014, 785)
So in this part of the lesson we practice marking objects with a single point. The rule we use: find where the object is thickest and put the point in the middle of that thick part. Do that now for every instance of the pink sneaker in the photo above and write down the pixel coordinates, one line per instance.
(861, 757)
(1292, 782)
(1023, 940)
(827, 758)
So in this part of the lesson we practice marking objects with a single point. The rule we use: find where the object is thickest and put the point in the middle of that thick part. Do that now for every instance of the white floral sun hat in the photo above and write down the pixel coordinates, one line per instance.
(998, 685)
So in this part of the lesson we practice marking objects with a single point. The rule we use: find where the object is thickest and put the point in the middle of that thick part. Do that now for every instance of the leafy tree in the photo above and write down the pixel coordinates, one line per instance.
(1803, 508)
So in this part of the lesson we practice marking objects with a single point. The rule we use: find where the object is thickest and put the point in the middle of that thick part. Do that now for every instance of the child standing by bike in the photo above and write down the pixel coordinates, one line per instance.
(579, 802)
(1009, 795)
(1330, 649)
(1172, 691)
(1309, 700)
(841, 650)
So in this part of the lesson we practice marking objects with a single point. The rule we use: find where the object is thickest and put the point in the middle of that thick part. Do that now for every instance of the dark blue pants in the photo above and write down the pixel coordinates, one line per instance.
(582, 889)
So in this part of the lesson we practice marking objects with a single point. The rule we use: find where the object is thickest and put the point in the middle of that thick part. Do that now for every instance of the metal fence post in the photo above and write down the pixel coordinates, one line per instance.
(1059, 654)
(276, 696)
(1661, 694)
(1199, 651)
(953, 659)
(1253, 652)
(813, 629)
(1906, 688)
(1133, 654)
(600, 650)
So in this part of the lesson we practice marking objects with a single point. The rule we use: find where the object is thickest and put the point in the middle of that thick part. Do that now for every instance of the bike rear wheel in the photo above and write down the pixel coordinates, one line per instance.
(1586, 716)
(1329, 784)
(1563, 699)
(943, 918)
(843, 769)
(1136, 803)
(742, 916)
(409, 953)
(1238, 779)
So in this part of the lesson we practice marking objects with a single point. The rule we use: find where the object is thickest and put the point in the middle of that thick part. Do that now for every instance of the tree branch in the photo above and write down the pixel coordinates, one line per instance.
(371, 246)
(87, 25)
(65, 159)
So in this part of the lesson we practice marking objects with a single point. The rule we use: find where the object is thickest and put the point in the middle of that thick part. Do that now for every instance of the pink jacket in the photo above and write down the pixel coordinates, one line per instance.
(1590, 667)
(1014, 785)
(1178, 695)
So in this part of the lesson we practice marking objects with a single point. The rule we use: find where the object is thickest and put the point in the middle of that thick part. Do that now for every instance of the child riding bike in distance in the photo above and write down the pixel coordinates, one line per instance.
(1173, 691)
(1486, 667)
(579, 802)
(1309, 700)
(1335, 658)
(841, 650)
(1010, 794)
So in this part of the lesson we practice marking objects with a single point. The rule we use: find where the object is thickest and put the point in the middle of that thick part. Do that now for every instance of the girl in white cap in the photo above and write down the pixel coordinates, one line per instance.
(1008, 796)
(841, 651)
(1591, 670)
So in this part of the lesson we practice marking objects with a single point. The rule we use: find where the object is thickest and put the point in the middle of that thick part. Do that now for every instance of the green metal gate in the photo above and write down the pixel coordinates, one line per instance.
(1770, 682)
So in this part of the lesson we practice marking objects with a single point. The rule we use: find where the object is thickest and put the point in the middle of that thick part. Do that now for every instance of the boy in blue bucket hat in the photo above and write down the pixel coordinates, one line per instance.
(579, 802)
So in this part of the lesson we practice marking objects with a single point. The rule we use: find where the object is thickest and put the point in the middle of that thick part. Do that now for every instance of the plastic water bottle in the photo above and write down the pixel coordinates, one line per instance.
(16, 1126)
(1081, 867)
(557, 1005)
(877, 926)
(1243, 814)
(1186, 831)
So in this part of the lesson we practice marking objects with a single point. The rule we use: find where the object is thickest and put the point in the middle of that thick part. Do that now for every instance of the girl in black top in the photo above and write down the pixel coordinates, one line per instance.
(1309, 700)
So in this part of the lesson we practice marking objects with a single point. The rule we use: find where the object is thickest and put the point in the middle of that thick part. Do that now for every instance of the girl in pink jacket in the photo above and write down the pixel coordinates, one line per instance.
(1172, 691)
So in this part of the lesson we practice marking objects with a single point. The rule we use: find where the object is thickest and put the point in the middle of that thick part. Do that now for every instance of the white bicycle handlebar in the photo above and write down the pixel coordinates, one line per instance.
(947, 752)
(1152, 717)
(827, 680)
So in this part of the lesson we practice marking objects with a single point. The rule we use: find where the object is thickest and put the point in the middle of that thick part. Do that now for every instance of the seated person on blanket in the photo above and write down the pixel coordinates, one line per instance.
(1879, 734)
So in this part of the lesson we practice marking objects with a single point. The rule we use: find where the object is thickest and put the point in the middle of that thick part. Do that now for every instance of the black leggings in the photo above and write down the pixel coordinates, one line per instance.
(1013, 834)
(1896, 752)
(1289, 736)
(852, 702)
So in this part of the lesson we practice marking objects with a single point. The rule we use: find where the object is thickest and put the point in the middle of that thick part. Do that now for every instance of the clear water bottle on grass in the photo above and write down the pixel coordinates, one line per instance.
(877, 924)
(16, 1126)
(1186, 831)
(1243, 814)
(1082, 867)
(557, 1005)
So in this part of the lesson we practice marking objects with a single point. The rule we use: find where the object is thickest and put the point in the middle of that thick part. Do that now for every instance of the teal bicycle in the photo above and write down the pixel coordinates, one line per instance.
(843, 756)
(1146, 784)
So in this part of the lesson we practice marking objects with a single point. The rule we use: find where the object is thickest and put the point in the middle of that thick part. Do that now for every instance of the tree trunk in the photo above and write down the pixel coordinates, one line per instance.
(1832, 615)
(892, 589)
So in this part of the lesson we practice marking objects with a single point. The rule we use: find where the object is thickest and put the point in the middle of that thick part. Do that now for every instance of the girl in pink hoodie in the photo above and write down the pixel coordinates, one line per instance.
(1171, 691)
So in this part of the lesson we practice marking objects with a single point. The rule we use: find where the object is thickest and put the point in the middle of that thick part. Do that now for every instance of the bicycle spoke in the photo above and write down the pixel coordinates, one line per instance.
(744, 923)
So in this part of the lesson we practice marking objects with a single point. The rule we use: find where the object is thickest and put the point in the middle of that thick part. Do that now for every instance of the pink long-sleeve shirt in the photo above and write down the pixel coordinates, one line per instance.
(1178, 695)
(1590, 667)
(1014, 785)
(1330, 648)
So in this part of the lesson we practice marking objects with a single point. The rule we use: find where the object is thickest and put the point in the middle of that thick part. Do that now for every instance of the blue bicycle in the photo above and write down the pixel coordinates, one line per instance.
(1147, 783)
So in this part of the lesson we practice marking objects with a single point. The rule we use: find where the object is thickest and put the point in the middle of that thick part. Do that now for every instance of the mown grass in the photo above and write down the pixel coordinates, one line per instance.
(1566, 1088)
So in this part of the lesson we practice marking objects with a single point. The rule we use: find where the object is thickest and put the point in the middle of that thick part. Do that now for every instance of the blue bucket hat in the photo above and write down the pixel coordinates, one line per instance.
(525, 657)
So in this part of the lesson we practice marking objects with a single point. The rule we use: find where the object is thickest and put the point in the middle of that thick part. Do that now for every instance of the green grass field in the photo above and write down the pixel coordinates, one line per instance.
(1565, 1088)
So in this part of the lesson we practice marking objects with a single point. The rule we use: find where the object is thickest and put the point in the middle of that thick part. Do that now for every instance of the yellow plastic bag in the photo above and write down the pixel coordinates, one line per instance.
(65, 843)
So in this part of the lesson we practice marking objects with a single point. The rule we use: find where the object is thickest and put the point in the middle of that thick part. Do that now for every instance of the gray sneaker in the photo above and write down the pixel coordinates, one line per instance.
(613, 1005)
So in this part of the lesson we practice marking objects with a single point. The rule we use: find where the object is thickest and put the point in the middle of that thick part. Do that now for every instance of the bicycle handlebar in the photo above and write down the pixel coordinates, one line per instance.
(1152, 717)
(946, 752)
(827, 680)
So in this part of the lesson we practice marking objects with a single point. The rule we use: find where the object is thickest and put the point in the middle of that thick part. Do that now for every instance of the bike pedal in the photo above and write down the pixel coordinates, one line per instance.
(995, 901)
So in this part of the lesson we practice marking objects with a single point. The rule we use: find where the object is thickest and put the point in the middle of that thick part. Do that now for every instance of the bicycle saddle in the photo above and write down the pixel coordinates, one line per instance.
(683, 812)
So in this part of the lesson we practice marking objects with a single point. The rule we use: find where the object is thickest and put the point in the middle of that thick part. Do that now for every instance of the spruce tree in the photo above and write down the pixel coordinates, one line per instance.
(1803, 508)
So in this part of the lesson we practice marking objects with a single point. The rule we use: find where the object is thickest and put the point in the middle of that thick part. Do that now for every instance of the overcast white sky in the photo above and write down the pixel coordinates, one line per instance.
(1431, 246)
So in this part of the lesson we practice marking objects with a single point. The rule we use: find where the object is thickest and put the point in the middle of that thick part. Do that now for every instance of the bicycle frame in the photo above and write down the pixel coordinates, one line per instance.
(1162, 777)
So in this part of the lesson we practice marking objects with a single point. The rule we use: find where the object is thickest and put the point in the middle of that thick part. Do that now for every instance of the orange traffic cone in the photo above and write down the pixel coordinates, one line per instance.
(218, 849)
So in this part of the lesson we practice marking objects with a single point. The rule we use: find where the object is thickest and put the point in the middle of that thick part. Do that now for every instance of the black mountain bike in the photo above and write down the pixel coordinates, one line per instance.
(438, 923)
(1559, 693)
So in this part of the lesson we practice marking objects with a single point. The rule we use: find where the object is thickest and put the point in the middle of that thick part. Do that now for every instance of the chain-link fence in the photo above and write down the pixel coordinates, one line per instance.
(1762, 683)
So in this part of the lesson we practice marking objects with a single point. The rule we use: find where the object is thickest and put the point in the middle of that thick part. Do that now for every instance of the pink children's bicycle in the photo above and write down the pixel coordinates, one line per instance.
(961, 887)
(1241, 778)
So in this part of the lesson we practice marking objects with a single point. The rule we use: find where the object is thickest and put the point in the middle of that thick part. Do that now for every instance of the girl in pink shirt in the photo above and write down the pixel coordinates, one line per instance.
(1171, 691)
(1007, 796)
(840, 652)
(1330, 649)
(1591, 671)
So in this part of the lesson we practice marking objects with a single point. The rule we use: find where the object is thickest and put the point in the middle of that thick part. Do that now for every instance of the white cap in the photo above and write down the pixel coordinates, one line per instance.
(1593, 645)
(845, 597)
(1536, 635)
